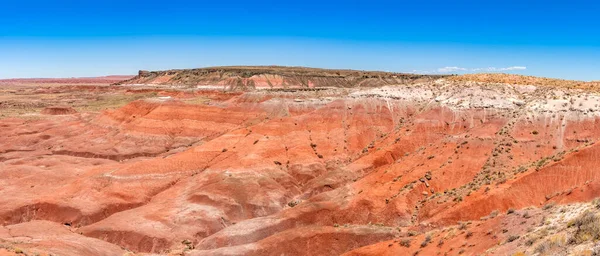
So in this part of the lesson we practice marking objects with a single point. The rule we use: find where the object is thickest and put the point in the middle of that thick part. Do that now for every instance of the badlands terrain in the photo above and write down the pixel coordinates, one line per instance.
(299, 161)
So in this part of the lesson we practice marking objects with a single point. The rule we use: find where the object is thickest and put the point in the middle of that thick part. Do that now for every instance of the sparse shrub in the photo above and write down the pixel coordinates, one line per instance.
(510, 211)
(596, 203)
(596, 250)
(530, 241)
(548, 244)
(534, 132)
(588, 227)
(293, 203)
(541, 163)
(405, 242)
(548, 206)
(188, 244)
(469, 234)
(512, 238)
(426, 241)
(494, 213)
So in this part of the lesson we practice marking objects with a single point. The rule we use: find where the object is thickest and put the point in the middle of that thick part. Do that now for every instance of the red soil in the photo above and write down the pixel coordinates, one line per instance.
(272, 173)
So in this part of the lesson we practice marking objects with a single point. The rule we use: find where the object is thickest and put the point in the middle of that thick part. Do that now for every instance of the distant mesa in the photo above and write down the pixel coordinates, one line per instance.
(102, 80)
(246, 78)
(273, 77)
(144, 73)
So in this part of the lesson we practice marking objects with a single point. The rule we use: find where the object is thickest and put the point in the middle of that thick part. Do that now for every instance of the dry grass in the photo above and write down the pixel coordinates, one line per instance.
(556, 241)
(196, 100)
(28, 101)
(587, 227)
(527, 80)
(111, 101)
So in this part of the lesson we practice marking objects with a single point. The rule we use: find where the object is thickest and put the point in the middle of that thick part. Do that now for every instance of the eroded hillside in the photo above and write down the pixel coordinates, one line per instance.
(427, 166)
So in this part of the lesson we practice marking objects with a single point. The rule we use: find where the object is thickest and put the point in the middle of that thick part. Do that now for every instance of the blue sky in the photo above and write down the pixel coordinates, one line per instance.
(65, 38)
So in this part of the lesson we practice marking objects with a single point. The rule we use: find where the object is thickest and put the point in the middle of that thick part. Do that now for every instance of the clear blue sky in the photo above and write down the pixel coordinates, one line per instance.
(65, 38)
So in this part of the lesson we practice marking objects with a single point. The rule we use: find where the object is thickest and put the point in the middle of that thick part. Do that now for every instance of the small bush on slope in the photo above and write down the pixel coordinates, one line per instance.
(588, 227)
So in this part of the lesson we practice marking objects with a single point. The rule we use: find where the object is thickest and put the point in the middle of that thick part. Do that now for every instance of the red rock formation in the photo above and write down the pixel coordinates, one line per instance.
(298, 172)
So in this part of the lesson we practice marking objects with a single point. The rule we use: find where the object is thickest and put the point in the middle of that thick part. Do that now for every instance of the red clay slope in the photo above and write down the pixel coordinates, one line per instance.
(297, 173)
